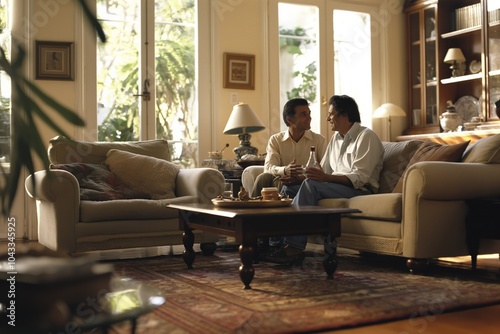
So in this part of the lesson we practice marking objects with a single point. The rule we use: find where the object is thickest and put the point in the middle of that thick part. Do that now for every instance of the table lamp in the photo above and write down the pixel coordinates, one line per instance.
(389, 121)
(456, 58)
(242, 122)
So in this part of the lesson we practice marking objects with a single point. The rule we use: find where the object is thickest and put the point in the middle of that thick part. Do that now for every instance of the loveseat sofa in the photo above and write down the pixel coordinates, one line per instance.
(419, 212)
(108, 196)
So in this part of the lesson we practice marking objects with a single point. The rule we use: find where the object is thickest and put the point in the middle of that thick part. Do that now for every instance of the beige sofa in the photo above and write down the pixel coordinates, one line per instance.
(73, 225)
(427, 218)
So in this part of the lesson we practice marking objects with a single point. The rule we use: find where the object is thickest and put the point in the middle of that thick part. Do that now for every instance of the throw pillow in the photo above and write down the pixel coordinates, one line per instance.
(430, 151)
(144, 174)
(484, 151)
(97, 183)
(396, 158)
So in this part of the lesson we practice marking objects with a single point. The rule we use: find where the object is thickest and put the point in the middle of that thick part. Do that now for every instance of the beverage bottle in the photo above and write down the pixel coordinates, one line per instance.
(312, 162)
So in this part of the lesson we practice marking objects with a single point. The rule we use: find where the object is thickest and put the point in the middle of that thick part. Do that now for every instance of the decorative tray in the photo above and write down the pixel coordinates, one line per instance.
(253, 203)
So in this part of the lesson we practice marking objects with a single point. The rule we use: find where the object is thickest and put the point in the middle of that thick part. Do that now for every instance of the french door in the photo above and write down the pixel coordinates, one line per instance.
(323, 47)
(146, 74)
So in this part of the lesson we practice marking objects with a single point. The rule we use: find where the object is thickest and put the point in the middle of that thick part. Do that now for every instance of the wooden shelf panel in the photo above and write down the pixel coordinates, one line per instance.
(450, 138)
(462, 78)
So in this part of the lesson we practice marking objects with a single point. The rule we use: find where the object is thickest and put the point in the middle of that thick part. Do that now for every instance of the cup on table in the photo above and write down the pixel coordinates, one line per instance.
(228, 190)
(270, 194)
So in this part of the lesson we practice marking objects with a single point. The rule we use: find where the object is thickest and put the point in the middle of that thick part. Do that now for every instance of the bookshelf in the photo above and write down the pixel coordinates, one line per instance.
(435, 26)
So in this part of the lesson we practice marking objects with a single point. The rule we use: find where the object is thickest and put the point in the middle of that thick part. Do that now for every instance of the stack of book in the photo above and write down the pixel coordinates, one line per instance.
(468, 16)
(494, 16)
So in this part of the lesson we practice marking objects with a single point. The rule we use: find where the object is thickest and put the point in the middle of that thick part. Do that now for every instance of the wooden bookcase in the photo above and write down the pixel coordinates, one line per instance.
(431, 31)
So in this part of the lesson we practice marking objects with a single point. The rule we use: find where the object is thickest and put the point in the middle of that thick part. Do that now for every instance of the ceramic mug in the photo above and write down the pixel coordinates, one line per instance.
(270, 193)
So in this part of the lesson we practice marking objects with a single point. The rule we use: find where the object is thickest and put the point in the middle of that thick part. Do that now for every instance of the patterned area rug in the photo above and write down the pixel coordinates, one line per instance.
(365, 290)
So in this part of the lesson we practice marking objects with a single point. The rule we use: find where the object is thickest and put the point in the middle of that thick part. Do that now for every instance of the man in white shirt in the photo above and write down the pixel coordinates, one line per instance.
(350, 167)
(288, 151)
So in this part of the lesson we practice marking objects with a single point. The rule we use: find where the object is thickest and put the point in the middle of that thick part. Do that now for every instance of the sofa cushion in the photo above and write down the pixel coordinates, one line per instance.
(430, 151)
(396, 158)
(63, 150)
(142, 209)
(484, 151)
(376, 206)
(144, 174)
(97, 183)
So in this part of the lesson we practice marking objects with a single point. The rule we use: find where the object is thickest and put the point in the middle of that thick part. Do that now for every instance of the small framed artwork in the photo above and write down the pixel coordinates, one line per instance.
(54, 60)
(239, 71)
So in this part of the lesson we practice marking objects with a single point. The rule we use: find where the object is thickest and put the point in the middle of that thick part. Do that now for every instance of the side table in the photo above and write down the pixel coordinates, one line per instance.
(482, 222)
(233, 176)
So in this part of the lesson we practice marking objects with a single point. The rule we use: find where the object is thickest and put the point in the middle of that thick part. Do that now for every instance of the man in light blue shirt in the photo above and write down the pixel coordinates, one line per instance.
(350, 167)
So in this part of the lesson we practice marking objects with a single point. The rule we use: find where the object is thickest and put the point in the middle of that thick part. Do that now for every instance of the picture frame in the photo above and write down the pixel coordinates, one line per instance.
(239, 71)
(54, 60)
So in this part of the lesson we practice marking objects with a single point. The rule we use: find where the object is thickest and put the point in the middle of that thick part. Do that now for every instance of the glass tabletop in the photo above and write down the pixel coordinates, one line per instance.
(125, 300)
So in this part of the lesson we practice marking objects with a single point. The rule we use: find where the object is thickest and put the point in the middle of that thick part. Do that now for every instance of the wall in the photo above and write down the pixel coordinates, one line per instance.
(248, 38)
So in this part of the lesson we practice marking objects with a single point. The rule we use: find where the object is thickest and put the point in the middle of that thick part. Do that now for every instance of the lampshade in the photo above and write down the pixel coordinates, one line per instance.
(454, 55)
(242, 120)
(389, 121)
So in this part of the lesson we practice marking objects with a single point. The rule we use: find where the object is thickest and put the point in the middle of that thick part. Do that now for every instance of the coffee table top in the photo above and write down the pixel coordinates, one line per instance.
(238, 212)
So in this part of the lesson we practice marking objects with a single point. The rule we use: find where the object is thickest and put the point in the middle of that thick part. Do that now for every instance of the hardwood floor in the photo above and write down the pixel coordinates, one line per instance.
(481, 320)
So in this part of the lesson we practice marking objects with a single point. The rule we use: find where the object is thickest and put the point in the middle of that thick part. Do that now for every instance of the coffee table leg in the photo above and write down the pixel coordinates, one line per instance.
(246, 269)
(330, 259)
(188, 241)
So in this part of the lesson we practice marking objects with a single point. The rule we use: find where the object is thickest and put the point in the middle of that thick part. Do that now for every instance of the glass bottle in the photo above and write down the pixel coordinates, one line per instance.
(311, 162)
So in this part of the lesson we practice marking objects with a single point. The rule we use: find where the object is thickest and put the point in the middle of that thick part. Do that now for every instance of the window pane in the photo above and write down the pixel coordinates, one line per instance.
(352, 62)
(176, 101)
(117, 71)
(299, 56)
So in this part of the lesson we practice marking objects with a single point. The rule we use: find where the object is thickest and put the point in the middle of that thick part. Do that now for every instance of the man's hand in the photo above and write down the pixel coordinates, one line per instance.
(293, 170)
(317, 174)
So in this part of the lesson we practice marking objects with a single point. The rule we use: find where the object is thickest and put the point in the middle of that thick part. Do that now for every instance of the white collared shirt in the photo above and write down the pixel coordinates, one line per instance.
(357, 155)
(282, 149)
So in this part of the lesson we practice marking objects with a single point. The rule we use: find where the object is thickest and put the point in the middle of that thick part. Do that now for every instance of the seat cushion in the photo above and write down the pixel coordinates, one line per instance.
(63, 150)
(145, 175)
(397, 155)
(377, 206)
(484, 151)
(430, 151)
(143, 209)
(97, 182)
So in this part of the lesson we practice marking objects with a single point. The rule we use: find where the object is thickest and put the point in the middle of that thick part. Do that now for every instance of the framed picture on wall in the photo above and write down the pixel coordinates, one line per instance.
(54, 60)
(239, 71)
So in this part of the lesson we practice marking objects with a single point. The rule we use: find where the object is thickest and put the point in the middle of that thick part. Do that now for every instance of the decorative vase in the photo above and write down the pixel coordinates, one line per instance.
(450, 120)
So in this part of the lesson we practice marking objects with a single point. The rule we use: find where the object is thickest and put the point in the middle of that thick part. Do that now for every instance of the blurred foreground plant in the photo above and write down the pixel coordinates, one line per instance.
(27, 98)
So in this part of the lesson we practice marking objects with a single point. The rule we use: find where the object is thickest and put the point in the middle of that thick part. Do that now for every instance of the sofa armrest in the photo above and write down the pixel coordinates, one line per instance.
(434, 207)
(58, 207)
(249, 175)
(435, 180)
(203, 183)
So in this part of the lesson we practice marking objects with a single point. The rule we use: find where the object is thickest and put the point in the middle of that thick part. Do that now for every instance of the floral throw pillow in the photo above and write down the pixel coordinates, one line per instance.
(98, 183)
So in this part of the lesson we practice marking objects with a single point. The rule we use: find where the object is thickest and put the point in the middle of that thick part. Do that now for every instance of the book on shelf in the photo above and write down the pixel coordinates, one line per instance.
(468, 16)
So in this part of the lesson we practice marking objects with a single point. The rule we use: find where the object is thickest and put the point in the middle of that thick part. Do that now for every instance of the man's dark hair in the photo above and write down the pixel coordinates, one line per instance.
(289, 108)
(345, 105)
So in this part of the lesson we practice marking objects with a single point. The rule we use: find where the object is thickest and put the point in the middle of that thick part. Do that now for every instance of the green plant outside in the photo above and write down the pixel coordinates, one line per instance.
(308, 76)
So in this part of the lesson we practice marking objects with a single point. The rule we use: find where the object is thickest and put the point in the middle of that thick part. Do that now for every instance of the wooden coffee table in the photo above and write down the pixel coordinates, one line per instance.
(248, 224)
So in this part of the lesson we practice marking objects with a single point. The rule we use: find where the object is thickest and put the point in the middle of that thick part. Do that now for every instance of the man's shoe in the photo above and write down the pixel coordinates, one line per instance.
(287, 255)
